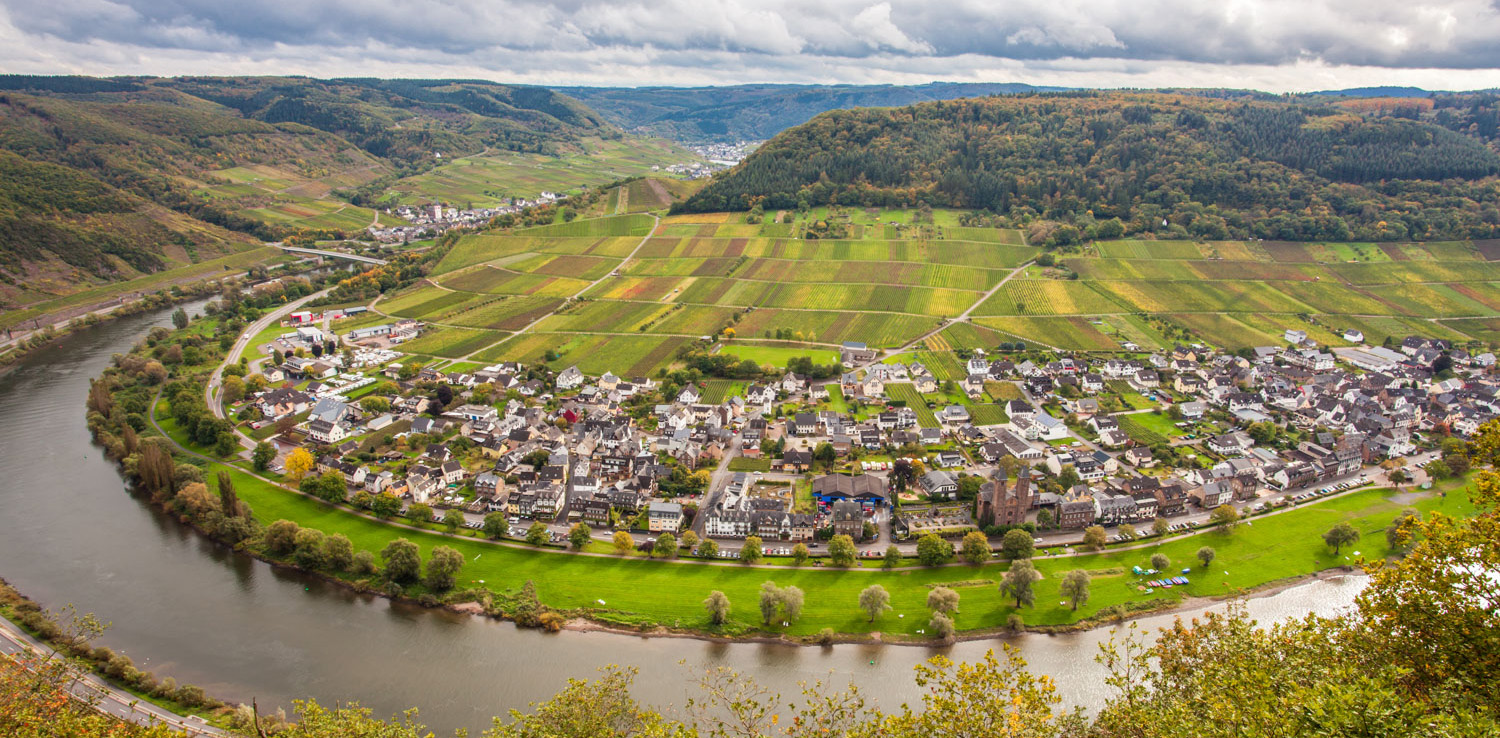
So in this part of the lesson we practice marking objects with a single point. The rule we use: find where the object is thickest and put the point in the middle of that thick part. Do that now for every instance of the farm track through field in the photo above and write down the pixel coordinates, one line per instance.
(655, 224)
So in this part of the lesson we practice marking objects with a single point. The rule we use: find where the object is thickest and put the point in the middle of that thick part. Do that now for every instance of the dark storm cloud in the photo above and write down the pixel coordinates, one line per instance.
(667, 40)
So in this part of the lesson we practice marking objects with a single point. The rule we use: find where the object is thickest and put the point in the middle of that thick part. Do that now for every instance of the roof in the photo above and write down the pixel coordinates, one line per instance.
(839, 485)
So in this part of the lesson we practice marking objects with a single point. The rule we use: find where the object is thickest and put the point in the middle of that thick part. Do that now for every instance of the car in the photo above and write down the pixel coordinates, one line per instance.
(1036, 541)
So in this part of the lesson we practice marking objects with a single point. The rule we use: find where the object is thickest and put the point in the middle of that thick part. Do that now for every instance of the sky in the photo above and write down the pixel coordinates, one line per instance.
(1271, 45)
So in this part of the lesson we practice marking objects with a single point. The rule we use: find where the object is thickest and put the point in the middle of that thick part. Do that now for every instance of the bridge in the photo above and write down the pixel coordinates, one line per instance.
(332, 254)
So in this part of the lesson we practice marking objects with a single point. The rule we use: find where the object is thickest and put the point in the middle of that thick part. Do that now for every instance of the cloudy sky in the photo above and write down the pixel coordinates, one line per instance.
(1276, 45)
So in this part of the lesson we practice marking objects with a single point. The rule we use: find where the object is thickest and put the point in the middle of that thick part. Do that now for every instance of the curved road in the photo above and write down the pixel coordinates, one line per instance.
(104, 697)
(216, 380)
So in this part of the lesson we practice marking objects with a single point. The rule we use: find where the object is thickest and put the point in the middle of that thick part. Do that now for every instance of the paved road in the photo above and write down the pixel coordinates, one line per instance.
(216, 380)
(103, 696)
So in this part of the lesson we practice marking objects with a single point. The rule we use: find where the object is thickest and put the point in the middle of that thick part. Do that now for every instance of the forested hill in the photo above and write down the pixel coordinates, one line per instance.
(1211, 168)
(756, 112)
(107, 179)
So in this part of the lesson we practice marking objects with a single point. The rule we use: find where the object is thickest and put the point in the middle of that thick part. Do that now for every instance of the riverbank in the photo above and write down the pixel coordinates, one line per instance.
(114, 686)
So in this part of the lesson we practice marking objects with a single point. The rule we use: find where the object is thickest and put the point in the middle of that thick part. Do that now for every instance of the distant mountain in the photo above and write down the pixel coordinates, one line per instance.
(106, 179)
(1211, 168)
(757, 112)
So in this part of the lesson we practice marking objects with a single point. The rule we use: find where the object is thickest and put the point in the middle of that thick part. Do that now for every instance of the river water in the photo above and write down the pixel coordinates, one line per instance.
(187, 608)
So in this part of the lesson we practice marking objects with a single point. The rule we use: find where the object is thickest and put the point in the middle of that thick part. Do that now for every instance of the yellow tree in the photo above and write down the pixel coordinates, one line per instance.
(299, 463)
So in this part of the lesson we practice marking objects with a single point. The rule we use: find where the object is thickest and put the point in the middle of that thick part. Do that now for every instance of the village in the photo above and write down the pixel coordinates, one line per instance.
(1137, 444)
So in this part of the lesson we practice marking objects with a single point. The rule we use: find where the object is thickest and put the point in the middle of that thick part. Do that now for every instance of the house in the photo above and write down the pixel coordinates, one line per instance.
(1193, 410)
(954, 415)
(324, 432)
(664, 517)
(793, 461)
(1077, 513)
(1353, 335)
(1230, 444)
(939, 485)
(570, 378)
(1213, 494)
(805, 424)
(733, 523)
(925, 384)
(848, 519)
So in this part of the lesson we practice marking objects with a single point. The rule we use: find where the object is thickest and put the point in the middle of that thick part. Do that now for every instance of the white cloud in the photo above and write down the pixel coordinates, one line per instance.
(1276, 45)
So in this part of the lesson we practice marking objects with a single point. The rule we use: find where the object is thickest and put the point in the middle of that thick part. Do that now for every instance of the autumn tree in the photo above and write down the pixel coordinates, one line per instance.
(975, 548)
(942, 599)
(1094, 538)
(298, 463)
(841, 551)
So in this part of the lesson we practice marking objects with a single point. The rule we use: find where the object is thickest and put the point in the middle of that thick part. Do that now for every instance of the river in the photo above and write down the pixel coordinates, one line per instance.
(184, 607)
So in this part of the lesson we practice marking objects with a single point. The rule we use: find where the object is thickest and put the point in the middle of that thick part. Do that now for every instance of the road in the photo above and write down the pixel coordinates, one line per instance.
(216, 380)
(103, 696)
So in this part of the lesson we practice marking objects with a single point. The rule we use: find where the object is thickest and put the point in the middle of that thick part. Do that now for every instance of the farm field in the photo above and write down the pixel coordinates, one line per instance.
(492, 178)
(888, 281)
(1073, 334)
(626, 356)
(451, 343)
(908, 395)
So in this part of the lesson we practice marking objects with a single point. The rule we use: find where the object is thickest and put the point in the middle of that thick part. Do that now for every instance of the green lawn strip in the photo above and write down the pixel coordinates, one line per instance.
(1266, 550)
(778, 357)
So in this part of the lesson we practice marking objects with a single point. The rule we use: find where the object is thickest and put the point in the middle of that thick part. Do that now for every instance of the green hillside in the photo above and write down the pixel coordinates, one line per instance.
(1210, 168)
(106, 180)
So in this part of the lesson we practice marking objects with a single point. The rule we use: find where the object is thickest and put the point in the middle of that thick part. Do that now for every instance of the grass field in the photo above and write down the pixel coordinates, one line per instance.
(778, 356)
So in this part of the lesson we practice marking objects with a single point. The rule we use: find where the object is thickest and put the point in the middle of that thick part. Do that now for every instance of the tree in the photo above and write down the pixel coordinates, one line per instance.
(932, 550)
(308, 548)
(442, 568)
(385, 506)
(1068, 478)
(751, 551)
(841, 551)
(624, 543)
(280, 537)
(975, 547)
(942, 626)
(874, 600)
(942, 599)
(709, 548)
(537, 534)
(338, 552)
(1017, 544)
(1094, 537)
(1018, 582)
(233, 390)
(229, 501)
(453, 519)
(770, 601)
(1160, 562)
(579, 536)
(1044, 519)
(1160, 526)
(892, 558)
(689, 540)
(825, 454)
(717, 605)
(791, 602)
(1397, 477)
(1206, 555)
(1128, 532)
(1398, 535)
(179, 318)
(403, 561)
(800, 554)
(262, 456)
(1075, 587)
(1224, 517)
(1340, 535)
(665, 546)
(1438, 470)
(298, 463)
(419, 512)
(495, 525)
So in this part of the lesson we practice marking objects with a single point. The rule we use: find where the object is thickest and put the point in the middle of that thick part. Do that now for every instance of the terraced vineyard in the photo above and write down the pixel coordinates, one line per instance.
(879, 278)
